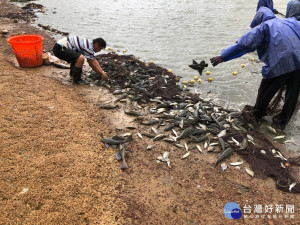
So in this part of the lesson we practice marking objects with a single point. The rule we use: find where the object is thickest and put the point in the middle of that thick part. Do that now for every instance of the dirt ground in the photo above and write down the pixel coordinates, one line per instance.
(55, 170)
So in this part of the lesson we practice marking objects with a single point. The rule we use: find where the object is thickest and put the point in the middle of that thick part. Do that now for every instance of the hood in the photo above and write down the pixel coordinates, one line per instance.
(262, 15)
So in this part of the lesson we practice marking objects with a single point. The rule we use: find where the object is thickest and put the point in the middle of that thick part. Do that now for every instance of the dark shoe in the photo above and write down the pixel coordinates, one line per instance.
(77, 76)
(277, 123)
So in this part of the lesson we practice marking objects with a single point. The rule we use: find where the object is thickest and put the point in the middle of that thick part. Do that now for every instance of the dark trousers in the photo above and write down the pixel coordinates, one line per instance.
(268, 89)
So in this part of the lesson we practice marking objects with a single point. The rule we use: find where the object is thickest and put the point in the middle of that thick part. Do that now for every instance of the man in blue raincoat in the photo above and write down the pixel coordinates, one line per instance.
(277, 42)
(266, 3)
(293, 9)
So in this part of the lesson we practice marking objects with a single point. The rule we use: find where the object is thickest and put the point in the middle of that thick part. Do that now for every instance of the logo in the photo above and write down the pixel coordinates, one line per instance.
(232, 211)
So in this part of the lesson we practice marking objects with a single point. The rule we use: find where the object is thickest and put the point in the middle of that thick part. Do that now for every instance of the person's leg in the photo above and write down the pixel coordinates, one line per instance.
(291, 98)
(266, 92)
(77, 71)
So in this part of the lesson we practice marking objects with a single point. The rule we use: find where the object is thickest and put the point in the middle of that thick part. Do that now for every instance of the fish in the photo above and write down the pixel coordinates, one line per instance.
(199, 148)
(185, 155)
(198, 66)
(271, 129)
(133, 113)
(151, 122)
(225, 154)
(185, 133)
(61, 66)
(236, 163)
(291, 186)
(250, 172)
(121, 97)
(244, 144)
(222, 143)
(116, 140)
(107, 106)
(279, 137)
(159, 137)
(140, 136)
(122, 153)
(150, 147)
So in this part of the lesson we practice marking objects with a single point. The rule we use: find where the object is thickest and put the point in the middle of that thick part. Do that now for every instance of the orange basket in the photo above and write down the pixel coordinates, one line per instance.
(28, 49)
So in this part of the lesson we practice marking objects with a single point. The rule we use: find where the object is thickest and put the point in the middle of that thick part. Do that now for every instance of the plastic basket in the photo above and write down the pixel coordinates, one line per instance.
(28, 49)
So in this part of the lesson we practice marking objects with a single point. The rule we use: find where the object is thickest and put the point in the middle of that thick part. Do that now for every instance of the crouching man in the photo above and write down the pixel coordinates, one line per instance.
(74, 49)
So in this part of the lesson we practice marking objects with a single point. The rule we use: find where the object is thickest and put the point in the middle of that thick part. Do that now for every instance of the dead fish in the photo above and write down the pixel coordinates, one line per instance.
(179, 145)
(121, 97)
(159, 137)
(185, 155)
(271, 129)
(185, 133)
(116, 140)
(60, 65)
(235, 141)
(250, 172)
(122, 152)
(199, 148)
(150, 147)
(236, 163)
(148, 135)
(244, 144)
(108, 106)
(133, 113)
(140, 136)
(291, 186)
(221, 134)
(279, 137)
(225, 154)
(198, 66)
(186, 147)
(175, 133)
(151, 122)
(155, 130)
(222, 143)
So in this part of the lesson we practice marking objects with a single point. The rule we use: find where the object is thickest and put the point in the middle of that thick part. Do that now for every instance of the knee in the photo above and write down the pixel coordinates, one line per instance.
(80, 59)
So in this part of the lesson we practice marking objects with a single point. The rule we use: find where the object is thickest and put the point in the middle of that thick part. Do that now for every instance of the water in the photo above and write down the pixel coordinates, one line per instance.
(172, 33)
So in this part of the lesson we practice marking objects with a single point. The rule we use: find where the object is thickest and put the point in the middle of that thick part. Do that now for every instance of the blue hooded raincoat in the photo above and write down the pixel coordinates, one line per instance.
(266, 3)
(277, 42)
(293, 9)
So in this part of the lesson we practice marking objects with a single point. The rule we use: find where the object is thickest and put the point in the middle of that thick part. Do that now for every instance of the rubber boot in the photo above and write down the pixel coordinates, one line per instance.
(77, 76)
(72, 65)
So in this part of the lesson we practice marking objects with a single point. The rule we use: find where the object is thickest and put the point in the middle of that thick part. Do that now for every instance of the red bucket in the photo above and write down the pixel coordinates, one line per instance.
(28, 49)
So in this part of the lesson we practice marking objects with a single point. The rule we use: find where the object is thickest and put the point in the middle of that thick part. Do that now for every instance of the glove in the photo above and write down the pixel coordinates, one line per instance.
(216, 60)
(104, 76)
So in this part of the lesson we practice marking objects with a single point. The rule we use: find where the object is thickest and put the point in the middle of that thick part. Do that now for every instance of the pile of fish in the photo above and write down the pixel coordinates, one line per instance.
(183, 120)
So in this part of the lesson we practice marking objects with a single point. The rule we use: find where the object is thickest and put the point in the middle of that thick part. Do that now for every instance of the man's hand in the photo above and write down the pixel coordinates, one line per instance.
(104, 76)
(216, 60)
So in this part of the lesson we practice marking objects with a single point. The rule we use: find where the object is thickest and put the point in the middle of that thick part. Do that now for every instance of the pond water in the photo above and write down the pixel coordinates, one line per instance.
(172, 33)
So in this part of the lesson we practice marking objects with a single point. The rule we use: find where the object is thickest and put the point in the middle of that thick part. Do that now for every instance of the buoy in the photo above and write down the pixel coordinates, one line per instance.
(170, 71)
(235, 73)
(192, 81)
(243, 65)
(184, 82)
(210, 79)
(109, 48)
(199, 81)
(252, 59)
(151, 61)
(124, 51)
(146, 64)
(177, 79)
(207, 72)
(196, 77)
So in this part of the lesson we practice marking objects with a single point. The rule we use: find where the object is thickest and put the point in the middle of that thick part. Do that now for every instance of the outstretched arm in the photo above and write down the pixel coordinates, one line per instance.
(94, 64)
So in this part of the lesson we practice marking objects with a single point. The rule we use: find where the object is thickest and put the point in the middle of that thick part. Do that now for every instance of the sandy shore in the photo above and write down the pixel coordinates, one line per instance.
(55, 170)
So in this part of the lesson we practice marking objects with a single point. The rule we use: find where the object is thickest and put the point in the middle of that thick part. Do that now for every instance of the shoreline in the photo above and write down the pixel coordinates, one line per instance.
(142, 192)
